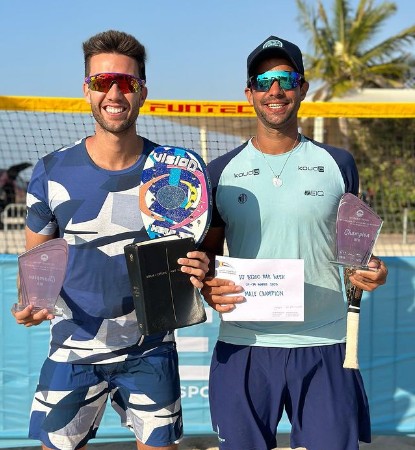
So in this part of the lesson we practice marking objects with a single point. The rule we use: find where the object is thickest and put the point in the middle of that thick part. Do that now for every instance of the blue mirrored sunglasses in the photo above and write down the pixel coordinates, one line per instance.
(286, 80)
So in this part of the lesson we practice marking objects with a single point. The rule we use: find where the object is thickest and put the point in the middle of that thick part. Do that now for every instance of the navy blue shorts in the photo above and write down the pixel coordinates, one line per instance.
(250, 387)
(71, 398)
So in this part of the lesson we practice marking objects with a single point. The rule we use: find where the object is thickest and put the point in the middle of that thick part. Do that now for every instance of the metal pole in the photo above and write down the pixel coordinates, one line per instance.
(203, 143)
(405, 226)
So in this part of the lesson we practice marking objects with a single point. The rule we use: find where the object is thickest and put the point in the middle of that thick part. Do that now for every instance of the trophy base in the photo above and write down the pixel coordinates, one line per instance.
(54, 310)
(350, 266)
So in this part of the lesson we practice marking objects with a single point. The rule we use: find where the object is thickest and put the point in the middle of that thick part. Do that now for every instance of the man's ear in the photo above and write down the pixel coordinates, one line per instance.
(86, 93)
(248, 94)
(143, 95)
(304, 89)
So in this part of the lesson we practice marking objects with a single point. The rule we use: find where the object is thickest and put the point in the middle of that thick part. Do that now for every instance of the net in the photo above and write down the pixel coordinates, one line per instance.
(381, 136)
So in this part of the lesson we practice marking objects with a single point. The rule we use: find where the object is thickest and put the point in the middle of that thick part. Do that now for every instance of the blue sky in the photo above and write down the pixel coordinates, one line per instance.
(196, 49)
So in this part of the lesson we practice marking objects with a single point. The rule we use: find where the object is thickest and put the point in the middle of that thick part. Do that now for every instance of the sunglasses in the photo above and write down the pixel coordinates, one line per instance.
(102, 82)
(286, 80)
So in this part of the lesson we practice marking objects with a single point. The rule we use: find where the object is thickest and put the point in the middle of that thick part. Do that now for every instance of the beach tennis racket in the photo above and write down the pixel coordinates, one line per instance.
(175, 194)
(354, 297)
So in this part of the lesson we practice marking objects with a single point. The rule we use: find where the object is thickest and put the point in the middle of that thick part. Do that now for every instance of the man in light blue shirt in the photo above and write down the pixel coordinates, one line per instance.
(276, 196)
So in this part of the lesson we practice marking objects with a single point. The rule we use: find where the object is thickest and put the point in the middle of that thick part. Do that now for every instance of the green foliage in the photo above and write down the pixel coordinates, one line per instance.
(344, 52)
(384, 150)
(345, 55)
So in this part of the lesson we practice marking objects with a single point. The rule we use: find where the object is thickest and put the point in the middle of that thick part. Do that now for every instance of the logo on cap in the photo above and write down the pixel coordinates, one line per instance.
(273, 43)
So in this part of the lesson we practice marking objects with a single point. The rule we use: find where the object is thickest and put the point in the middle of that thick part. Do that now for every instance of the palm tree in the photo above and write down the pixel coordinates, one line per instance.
(345, 54)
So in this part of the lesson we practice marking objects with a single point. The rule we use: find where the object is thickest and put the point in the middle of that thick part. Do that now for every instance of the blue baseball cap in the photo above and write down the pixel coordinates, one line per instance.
(275, 46)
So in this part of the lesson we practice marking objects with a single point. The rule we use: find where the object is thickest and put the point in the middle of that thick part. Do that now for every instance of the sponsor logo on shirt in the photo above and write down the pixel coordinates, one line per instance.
(313, 193)
(242, 198)
(247, 173)
(312, 168)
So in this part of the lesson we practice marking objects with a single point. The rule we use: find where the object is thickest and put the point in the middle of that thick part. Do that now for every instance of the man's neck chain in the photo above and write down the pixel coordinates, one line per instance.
(277, 180)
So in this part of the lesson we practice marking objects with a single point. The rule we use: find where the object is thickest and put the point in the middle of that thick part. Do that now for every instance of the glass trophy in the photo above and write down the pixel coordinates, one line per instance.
(357, 229)
(41, 274)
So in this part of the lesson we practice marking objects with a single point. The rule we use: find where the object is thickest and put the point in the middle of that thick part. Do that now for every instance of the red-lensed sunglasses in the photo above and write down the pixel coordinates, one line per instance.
(102, 82)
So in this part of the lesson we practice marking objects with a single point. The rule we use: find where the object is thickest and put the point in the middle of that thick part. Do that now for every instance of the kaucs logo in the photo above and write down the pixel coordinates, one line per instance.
(313, 169)
(246, 174)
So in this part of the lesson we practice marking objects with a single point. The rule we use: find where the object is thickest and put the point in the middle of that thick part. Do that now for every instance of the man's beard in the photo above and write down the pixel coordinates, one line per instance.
(113, 127)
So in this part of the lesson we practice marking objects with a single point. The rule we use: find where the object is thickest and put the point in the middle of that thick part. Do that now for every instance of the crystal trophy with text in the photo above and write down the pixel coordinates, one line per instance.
(41, 274)
(357, 229)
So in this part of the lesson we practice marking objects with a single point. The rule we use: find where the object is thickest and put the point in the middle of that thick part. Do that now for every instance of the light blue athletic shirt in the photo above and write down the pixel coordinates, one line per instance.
(294, 221)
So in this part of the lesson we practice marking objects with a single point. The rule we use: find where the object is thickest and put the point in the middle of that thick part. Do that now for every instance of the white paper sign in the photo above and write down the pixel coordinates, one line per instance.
(273, 288)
